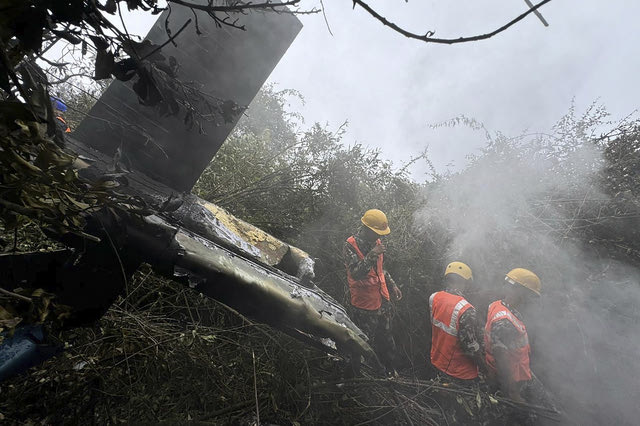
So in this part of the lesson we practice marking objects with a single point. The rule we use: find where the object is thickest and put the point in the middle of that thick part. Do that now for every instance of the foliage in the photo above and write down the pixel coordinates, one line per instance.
(38, 178)
(563, 204)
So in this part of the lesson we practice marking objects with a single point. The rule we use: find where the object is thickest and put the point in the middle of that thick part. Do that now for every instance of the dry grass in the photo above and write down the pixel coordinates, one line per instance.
(165, 354)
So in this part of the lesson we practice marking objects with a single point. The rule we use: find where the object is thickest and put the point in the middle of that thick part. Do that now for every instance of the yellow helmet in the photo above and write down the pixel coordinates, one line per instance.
(460, 269)
(375, 220)
(525, 278)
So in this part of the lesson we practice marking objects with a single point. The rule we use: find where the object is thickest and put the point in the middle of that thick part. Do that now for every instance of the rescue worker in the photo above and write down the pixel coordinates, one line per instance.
(371, 287)
(455, 346)
(505, 336)
(59, 108)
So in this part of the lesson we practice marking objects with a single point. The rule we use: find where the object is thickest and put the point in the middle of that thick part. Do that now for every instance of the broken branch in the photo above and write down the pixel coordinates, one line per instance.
(16, 295)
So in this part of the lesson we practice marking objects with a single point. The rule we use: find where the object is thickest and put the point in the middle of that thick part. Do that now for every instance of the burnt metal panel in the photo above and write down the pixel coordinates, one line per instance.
(231, 64)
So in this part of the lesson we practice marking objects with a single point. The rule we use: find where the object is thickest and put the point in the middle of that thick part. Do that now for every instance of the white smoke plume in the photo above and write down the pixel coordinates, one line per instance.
(533, 202)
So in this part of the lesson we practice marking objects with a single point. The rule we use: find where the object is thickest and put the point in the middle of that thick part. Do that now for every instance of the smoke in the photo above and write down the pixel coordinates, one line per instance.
(536, 202)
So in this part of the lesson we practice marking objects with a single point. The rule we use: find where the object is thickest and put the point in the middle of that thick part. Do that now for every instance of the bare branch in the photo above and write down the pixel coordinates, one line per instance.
(326, 21)
(171, 40)
(428, 36)
(16, 295)
(54, 64)
(238, 7)
(538, 14)
(69, 77)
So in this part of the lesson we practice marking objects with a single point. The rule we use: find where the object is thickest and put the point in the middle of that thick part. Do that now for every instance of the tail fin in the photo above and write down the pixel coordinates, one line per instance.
(228, 63)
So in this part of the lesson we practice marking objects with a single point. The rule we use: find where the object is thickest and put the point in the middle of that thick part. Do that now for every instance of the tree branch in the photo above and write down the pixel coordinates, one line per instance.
(171, 39)
(69, 77)
(52, 63)
(16, 295)
(238, 7)
(428, 36)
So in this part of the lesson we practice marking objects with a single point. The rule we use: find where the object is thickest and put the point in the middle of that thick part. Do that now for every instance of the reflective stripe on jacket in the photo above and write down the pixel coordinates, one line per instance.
(446, 353)
(518, 358)
(368, 292)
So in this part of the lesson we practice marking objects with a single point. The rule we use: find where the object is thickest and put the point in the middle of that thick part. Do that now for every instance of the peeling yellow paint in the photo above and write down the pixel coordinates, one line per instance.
(272, 249)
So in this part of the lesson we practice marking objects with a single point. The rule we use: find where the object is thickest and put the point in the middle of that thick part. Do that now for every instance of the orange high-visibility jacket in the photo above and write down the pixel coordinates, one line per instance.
(446, 353)
(518, 358)
(67, 128)
(368, 293)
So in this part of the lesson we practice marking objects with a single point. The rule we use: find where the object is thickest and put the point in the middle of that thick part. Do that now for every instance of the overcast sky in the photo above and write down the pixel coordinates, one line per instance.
(391, 88)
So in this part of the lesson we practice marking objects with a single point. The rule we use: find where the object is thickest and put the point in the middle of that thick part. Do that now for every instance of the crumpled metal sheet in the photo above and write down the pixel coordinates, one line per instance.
(260, 292)
(217, 224)
(201, 217)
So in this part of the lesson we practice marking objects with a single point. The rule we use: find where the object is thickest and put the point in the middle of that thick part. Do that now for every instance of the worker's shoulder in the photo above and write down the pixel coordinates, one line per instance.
(503, 326)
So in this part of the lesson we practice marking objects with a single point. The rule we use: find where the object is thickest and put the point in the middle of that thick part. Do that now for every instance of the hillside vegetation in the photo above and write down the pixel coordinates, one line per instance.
(564, 204)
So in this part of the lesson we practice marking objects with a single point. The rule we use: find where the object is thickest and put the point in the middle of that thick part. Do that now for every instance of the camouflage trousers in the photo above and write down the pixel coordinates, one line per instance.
(377, 326)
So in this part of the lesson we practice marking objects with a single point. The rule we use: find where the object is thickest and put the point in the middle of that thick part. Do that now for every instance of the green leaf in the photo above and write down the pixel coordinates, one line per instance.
(110, 7)
(29, 28)
(77, 203)
(70, 175)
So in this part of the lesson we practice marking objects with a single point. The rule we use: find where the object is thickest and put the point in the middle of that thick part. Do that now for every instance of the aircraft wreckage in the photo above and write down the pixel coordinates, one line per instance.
(186, 238)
